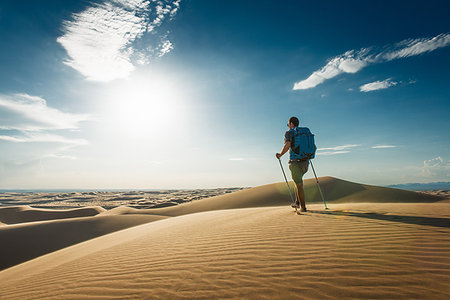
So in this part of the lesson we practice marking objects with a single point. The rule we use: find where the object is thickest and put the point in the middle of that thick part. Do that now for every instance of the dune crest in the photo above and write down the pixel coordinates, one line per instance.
(335, 191)
(24, 213)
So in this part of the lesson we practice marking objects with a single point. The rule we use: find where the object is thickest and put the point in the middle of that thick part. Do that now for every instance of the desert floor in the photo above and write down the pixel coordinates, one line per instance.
(372, 243)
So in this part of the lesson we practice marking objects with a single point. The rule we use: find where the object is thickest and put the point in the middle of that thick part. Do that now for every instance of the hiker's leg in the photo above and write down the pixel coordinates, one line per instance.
(297, 171)
(297, 196)
(295, 177)
(304, 169)
(300, 193)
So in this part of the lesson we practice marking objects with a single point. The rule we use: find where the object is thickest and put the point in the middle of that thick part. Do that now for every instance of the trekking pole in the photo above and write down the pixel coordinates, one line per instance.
(318, 185)
(289, 189)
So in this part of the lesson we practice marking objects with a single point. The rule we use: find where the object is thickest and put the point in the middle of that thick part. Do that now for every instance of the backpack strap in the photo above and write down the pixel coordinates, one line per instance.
(296, 150)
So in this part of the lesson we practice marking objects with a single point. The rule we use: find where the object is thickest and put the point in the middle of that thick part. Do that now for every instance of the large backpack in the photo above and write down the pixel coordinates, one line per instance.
(302, 145)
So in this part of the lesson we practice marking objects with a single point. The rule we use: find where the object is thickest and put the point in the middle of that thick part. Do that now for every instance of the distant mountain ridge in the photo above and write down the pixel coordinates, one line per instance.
(422, 186)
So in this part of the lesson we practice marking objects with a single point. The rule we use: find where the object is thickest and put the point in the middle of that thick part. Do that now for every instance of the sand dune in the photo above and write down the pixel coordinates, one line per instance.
(27, 241)
(109, 199)
(334, 190)
(257, 252)
(22, 214)
(247, 244)
(342, 191)
(441, 193)
(22, 242)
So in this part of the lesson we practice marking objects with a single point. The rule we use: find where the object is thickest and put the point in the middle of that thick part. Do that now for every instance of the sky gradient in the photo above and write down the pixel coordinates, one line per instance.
(197, 94)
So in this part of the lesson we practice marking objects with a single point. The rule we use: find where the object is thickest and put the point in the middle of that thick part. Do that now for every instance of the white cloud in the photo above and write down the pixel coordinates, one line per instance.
(353, 61)
(43, 137)
(348, 62)
(436, 167)
(175, 8)
(412, 47)
(31, 116)
(383, 147)
(236, 159)
(332, 152)
(31, 113)
(338, 148)
(377, 85)
(99, 40)
(166, 47)
(346, 149)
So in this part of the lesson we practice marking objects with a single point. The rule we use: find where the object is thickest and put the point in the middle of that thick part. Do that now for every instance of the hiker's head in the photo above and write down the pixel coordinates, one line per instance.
(293, 122)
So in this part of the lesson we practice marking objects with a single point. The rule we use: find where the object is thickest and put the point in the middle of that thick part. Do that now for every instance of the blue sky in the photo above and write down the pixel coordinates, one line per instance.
(191, 94)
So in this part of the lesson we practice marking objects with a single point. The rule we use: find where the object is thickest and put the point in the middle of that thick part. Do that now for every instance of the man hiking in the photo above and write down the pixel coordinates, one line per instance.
(298, 157)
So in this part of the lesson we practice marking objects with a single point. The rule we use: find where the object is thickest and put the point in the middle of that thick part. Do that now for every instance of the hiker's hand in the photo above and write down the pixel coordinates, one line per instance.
(278, 155)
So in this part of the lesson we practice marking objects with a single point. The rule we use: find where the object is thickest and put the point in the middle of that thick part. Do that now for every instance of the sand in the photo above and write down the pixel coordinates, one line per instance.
(441, 193)
(24, 214)
(247, 244)
(109, 199)
(22, 242)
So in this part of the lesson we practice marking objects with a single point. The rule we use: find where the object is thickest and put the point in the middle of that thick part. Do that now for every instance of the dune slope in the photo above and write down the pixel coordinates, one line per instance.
(265, 252)
(22, 242)
(29, 240)
(244, 244)
(276, 194)
(24, 213)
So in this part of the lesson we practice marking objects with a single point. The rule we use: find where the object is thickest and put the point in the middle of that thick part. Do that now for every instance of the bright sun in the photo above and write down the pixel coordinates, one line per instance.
(144, 108)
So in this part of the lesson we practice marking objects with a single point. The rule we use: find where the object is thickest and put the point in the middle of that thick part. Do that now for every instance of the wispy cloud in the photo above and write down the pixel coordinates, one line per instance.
(349, 62)
(47, 138)
(332, 152)
(436, 167)
(33, 118)
(347, 148)
(99, 40)
(353, 61)
(338, 148)
(236, 159)
(166, 47)
(384, 146)
(31, 113)
(377, 85)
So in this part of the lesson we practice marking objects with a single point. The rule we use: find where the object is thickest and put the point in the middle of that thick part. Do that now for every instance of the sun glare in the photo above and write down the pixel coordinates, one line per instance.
(144, 108)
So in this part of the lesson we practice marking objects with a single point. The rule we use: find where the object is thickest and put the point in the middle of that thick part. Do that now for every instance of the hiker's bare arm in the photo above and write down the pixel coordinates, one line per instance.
(285, 149)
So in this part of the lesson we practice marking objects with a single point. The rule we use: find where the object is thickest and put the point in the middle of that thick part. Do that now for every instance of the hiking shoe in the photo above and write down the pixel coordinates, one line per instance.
(296, 205)
(303, 209)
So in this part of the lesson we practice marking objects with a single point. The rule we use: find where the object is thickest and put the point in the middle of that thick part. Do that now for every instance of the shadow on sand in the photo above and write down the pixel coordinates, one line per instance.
(429, 221)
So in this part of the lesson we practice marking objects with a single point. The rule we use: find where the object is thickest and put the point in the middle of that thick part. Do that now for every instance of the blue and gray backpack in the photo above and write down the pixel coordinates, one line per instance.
(302, 144)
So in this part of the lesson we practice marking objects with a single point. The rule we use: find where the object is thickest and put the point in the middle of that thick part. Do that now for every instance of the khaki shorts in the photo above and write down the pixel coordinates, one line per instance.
(298, 169)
